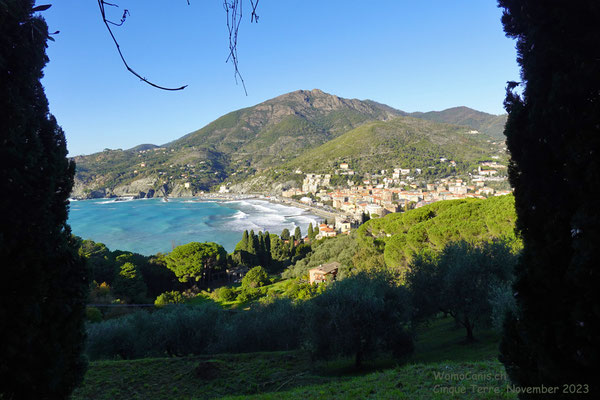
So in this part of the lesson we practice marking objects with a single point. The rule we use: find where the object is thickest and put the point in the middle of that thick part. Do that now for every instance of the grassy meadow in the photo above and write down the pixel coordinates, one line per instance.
(439, 349)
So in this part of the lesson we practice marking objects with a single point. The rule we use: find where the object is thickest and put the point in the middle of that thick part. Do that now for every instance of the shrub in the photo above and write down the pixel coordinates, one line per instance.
(255, 278)
(173, 331)
(173, 297)
(224, 294)
(92, 314)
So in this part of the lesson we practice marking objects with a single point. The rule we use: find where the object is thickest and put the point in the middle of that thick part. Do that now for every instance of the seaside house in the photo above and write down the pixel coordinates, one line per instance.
(326, 231)
(343, 224)
(323, 272)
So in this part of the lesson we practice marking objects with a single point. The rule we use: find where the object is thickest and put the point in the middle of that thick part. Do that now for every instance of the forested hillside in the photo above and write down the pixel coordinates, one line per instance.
(390, 243)
(402, 235)
(406, 141)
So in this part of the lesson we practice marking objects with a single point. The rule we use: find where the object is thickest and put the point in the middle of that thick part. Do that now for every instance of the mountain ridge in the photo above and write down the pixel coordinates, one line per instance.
(241, 144)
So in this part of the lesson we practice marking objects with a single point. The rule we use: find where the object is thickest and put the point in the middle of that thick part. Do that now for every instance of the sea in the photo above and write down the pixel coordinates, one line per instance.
(149, 226)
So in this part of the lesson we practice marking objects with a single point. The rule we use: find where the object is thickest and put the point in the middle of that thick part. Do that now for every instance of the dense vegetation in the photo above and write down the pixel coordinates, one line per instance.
(44, 282)
(401, 235)
(463, 281)
(279, 324)
(553, 135)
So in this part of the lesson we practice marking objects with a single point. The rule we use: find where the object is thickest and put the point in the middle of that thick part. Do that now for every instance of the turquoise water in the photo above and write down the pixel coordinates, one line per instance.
(149, 226)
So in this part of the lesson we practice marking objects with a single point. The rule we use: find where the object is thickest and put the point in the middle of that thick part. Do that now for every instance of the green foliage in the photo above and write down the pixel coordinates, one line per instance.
(254, 250)
(224, 294)
(460, 280)
(300, 289)
(359, 315)
(44, 282)
(99, 259)
(312, 232)
(130, 285)
(407, 141)
(502, 301)
(285, 375)
(172, 297)
(285, 234)
(301, 251)
(341, 249)
(104, 266)
(202, 329)
(195, 261)
(248, 294)
(552, 134)
(173, 331)
(242, 244)
(276, 325)
(256, 277)
(157, 277)
(92, 314)
(435, 225)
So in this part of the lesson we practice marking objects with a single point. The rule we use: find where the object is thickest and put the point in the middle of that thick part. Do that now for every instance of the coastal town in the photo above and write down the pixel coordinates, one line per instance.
(382, 193)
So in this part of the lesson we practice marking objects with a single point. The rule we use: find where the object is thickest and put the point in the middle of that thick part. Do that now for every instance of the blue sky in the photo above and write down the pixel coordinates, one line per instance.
(412, 55)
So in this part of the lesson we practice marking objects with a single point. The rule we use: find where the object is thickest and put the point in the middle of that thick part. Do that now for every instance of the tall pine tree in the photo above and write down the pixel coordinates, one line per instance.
(43, 282)
(243, 244)
(553, 135)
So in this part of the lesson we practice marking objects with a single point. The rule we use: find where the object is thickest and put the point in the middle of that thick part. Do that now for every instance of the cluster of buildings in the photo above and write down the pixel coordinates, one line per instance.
(390, 192)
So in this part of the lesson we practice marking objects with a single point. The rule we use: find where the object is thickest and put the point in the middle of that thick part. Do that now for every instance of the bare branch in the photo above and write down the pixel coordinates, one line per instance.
(234, 13)
(101, 5)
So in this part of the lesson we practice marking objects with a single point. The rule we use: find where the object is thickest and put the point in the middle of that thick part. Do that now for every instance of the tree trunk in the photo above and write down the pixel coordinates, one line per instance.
(469, 327)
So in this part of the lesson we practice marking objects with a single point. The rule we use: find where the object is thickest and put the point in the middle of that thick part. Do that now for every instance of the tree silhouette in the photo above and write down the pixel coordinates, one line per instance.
(553, 135)
(43, 287)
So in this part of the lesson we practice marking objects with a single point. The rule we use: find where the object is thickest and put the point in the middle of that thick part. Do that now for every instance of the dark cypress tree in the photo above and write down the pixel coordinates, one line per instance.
(261, 248)
(268, 243)
(310, 231)
(243, 244)
(253, 243)
(297, 233)
(285, 234)
(268, 258)
(43, 286)
(553, 135)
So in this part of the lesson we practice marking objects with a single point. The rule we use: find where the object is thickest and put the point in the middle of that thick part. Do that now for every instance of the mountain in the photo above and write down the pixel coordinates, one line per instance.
(277, 134)
(492, 125)
(281, 128)
(403, 141)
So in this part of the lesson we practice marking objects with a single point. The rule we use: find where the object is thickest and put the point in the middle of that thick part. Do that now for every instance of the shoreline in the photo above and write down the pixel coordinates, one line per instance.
(222, 197)
(141, 239)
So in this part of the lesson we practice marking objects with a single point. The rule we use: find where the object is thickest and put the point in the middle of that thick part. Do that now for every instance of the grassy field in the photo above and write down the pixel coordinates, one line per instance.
(440, 350)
